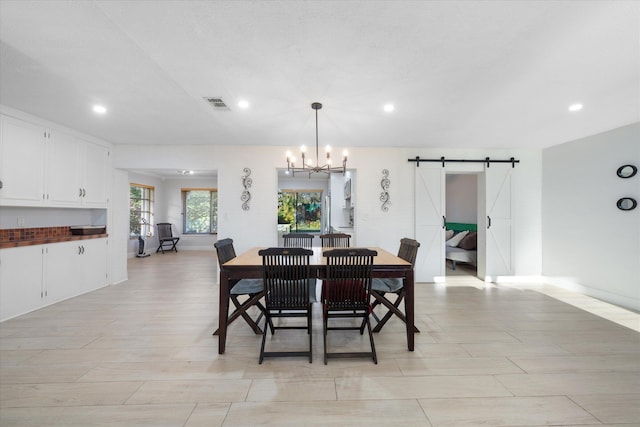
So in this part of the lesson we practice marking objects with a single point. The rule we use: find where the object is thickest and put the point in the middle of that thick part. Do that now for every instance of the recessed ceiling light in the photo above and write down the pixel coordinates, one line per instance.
(389, 108)
(185, 172)
(100, 109)
(575, 107)
(243, 104)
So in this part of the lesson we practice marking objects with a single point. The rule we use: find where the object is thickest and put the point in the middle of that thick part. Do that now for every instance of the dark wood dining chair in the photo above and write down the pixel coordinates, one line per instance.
(346, 293)
(288, 293)
(335, 240)
(380, 288)
(165, 237)
(298, 240)
(253, 289)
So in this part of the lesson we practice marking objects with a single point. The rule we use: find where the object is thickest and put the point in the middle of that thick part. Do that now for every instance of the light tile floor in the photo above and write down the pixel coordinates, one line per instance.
(141, 353)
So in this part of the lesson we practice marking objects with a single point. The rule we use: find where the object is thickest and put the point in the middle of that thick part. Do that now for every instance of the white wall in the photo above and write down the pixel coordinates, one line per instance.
(462, 198)
(373, 227)
(588, 244)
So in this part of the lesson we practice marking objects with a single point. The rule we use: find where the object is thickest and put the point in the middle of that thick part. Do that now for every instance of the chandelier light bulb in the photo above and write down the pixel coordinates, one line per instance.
(345, 153)
(303, 148)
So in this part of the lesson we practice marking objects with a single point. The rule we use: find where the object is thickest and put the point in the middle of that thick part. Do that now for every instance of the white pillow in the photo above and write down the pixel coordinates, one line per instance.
(449, 234)
(453, 242)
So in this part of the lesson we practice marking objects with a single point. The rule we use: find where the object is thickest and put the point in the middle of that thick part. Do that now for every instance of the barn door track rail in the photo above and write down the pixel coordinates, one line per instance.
(486, 160)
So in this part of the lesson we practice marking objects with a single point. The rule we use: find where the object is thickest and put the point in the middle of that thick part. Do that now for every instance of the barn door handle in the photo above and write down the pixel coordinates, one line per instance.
(488, 222)
(444, 222)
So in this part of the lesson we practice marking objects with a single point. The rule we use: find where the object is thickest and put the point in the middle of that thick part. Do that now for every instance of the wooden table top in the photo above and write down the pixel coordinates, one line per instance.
(251, 258)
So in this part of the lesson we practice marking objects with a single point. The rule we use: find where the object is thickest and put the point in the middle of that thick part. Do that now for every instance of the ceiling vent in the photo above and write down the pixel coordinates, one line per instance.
(217, 103)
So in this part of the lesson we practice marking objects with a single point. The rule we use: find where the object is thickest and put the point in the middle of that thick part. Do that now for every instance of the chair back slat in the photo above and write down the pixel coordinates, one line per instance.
(348, 282)
(164, 230)
(287, 277)
(225, 251)
(298, 240)
(335, 240)
(408, 250)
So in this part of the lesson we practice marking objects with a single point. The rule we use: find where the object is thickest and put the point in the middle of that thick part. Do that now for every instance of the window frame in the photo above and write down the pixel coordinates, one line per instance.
(145, 214)
(294, 227)
(213, 210)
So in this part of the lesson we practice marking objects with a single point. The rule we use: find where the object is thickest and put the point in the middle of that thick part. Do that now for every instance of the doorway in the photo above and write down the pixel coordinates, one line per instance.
(319, 203)
(461, 212)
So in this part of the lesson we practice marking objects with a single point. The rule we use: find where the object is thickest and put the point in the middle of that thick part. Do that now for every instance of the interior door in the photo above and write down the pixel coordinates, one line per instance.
(498, 256)
(429, 221)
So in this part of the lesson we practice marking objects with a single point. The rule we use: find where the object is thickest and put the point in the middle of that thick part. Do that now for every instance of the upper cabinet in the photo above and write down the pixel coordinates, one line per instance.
(41, 167)
(22, 162)
(77, 172)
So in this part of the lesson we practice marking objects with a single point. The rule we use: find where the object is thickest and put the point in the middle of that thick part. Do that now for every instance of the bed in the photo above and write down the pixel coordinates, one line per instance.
(461, 246)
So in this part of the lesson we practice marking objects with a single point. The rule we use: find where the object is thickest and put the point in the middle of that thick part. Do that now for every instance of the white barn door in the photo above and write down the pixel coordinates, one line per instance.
(429, 221)
(498, 257)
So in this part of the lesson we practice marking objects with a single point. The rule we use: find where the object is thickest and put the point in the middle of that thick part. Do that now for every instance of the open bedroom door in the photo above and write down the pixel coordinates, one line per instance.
(429, 221)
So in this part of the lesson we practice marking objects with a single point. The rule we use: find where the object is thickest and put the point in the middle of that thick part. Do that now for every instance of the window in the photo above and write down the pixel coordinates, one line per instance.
(140, 210)
(200, 210)
(302, 209)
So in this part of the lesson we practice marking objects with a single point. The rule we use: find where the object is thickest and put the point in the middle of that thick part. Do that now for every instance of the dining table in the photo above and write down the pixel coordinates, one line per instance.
(248, 265)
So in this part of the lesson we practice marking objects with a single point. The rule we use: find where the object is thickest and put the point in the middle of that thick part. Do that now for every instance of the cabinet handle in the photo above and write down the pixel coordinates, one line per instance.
(444, 222)
(488, 222)
(84, 192)
(79, 192)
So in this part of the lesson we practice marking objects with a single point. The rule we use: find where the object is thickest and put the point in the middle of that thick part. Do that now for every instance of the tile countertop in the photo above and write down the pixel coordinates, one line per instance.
(13, 238)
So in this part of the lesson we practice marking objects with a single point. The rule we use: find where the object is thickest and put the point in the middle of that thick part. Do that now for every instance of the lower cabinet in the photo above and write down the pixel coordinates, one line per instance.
(35, 276)
(21, 279)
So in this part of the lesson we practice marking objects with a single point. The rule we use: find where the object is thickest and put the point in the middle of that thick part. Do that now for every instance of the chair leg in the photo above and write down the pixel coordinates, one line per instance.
(241, 310)
(309, 332)
(264, 311)
(264, 337)
(373, 347)
(393, 309)
(324, 330)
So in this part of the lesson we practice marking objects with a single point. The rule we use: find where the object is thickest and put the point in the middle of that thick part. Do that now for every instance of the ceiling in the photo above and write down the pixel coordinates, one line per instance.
(461, 74)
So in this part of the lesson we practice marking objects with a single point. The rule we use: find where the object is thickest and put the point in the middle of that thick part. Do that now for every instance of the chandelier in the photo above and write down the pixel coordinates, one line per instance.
(307, 163)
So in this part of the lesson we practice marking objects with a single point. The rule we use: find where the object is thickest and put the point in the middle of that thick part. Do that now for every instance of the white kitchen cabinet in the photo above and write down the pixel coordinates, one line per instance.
(35, 276)
(64, 186)
(21, 280)
(92, 271)
(77, 173)
(62, 262)
(95, 181)
(22, 162)
(42, 167)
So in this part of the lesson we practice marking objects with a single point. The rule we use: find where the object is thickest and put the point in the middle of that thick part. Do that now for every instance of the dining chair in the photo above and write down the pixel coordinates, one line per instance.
(253, 289)
(298, 240)
(165, 237)
(346, 293)
(335, 240)
(288, 293)
(380, 288)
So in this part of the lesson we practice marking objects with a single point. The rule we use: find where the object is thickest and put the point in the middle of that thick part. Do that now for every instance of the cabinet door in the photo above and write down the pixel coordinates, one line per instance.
(63, 264)
(93, 272)
(95, 183)
(21, 278)
(22, 162)
(64, 171)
